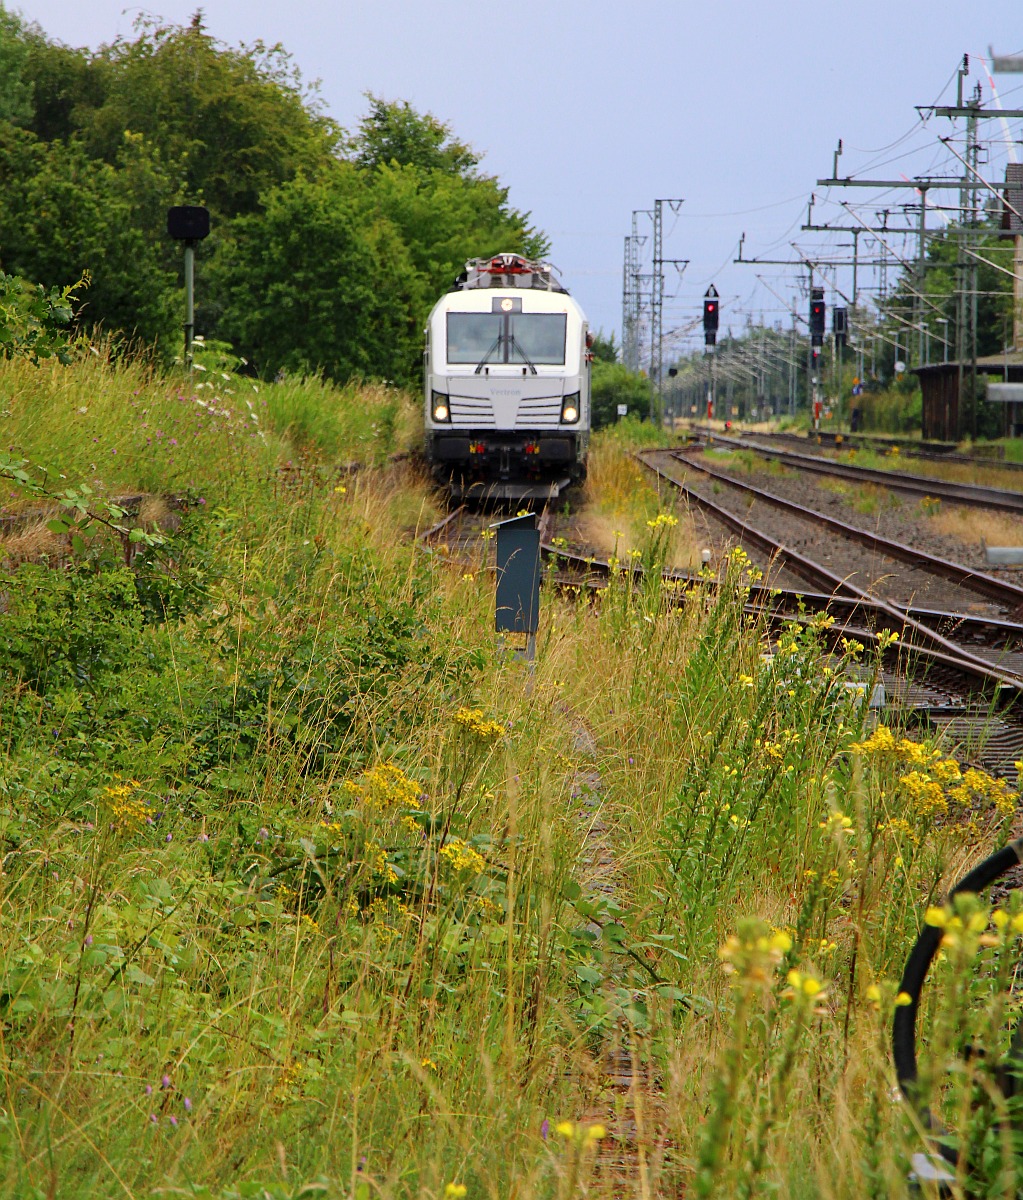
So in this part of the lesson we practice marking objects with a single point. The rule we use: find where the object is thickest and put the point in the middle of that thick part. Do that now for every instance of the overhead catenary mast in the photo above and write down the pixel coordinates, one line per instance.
(657, 297)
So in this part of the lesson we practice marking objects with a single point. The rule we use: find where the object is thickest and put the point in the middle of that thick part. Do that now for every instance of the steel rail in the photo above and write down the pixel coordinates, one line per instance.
(768, 598)
(434, 531)
(973, 494)
(1000, 590)
(828, 439)
(897, 615)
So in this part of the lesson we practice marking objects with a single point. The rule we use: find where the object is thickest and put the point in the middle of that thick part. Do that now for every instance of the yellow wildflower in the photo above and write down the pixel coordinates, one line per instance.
(383, 787)
(461, 857)
(473, 721)
(128, 811)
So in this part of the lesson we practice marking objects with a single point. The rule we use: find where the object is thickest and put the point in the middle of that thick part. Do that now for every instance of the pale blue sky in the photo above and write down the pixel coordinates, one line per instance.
(589, 110)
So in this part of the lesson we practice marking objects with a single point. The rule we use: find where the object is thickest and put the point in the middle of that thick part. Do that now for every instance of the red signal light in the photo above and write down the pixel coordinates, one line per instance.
(710, 316)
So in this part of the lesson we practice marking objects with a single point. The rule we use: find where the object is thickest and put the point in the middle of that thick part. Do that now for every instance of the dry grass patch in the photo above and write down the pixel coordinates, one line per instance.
(621, 501)
(978, 527)
(29, 542)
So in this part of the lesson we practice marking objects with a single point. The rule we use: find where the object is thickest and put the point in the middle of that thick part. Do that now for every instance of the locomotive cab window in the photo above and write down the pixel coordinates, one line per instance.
(538, 337)
(471, 335)
(475, 338)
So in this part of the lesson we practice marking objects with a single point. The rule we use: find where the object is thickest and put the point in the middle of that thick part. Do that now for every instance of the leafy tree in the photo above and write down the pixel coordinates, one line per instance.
(603, 348)
(392, 132)
(994, 300)
(233, 122)
(445, 218)
(66, 85)
(313, 263)
(63, 213)
(15, 90)
(33, 320)
(311, 285)
(613, 384)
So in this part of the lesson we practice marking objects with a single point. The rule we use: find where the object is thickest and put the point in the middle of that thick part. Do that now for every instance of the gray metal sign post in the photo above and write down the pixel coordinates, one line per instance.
(518, 579)
(189, 223)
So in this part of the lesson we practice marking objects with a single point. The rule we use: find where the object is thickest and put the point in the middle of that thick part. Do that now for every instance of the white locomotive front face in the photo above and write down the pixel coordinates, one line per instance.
(507, 387)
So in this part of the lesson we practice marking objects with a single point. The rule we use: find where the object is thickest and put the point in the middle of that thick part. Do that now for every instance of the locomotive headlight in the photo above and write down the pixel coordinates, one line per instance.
(440, 406)
(570, 409)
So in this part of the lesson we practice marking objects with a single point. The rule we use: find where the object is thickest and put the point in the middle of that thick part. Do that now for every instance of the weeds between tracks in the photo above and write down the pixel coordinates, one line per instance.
(294, 887)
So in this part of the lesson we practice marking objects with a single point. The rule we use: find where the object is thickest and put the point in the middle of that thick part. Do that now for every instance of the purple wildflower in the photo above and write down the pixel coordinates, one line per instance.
(165, 1082)
(545, 1128)
(149, 1089)
(188, 1104)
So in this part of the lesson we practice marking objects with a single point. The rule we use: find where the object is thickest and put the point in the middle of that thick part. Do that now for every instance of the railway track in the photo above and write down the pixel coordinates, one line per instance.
(1006, 595)
(958, 672)
(952, 672)
(972, 494)
(905, 448)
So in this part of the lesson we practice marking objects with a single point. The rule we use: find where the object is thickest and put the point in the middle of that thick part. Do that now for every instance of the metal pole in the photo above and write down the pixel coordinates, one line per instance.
(972, 143)
(837, 352)
(656, 308)
(918, 311)
(856, 263)
(189, 302)
(1017, 293)
(811, 378)
(626, 313)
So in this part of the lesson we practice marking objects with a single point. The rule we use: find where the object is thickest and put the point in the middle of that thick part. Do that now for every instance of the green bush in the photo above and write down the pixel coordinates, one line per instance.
(613, 384)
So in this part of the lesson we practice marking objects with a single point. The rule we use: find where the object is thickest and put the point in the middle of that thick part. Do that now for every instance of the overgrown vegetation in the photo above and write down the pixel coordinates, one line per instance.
(309, 888)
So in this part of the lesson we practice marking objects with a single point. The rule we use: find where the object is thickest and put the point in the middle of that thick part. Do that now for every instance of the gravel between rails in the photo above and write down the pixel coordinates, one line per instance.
(884, 577)
(896, 517)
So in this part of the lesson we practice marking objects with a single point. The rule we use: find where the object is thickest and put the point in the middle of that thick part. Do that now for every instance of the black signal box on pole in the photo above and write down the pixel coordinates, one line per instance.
(711, 314)
(188, 222)
(817, 317)
(840, 325)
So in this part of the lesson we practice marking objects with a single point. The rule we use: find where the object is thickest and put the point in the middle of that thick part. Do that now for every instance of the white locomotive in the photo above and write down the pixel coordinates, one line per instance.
(507, 374)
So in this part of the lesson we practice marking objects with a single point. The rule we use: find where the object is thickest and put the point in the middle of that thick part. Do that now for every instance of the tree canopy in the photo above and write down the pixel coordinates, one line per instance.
(327, 248)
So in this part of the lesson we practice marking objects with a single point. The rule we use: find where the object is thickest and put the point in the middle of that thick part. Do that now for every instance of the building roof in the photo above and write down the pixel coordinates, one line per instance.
(1005, 362)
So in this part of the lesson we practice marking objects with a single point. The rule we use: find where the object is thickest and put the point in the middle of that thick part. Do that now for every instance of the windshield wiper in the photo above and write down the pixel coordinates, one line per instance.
(486, 357)
(515, 345)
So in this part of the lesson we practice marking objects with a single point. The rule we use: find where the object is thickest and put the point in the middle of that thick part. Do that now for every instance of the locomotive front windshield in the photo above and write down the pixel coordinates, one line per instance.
(478, 338)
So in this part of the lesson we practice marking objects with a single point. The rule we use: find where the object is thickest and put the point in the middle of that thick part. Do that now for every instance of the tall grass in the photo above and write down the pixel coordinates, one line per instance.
(118, 425)
(621, 501)
(309, 887)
